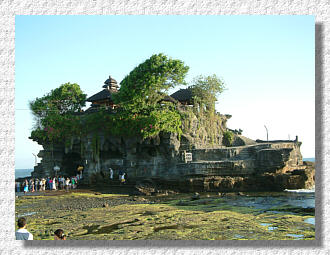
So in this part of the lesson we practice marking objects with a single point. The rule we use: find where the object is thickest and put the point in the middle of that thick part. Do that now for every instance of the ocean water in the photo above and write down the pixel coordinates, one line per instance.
(269, 200)
(21, 173)
(309, 159)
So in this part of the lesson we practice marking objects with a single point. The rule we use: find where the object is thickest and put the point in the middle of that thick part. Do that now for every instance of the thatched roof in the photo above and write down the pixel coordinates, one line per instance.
(110, 86)
(183, 95)
(103, 94)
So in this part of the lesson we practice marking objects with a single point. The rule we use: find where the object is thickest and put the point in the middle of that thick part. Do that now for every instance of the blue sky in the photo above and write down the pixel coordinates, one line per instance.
(266, 62)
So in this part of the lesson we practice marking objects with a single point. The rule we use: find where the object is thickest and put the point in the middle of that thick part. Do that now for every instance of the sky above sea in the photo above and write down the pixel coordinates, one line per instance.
(266, 62)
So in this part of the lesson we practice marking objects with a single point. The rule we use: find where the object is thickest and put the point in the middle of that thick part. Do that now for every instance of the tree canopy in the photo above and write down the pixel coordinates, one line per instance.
(206, 89)
(143, 87)
(140, 112)
(53, 112)
(67, 98)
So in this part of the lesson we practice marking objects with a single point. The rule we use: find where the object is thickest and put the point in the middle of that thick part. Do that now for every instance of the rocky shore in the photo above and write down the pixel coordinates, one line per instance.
(113, 214)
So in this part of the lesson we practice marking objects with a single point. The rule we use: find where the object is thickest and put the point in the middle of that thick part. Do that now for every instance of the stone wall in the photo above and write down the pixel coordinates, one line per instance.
(213, 166)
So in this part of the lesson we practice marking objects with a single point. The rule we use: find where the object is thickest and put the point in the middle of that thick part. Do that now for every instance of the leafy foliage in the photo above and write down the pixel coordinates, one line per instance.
(228, 138)
(140, 114)
(54, 113)
(127, 124)
(67, 98)
(143, 87)
(205, 90)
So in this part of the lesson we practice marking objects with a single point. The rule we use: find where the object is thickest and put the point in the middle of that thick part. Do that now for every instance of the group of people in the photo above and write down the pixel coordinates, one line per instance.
(23, 234)
(48, 183)
(122, 175)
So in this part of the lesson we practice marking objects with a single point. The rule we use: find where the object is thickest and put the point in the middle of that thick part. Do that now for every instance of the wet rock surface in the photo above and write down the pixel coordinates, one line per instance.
(71, 202)
(90, 215)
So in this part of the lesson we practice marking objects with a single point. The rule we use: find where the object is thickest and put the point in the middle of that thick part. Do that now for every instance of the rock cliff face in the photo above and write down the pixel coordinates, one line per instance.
(160, 161)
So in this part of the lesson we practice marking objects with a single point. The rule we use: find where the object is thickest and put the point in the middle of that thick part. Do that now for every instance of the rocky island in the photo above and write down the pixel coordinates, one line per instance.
(162, 142)
(188, 175)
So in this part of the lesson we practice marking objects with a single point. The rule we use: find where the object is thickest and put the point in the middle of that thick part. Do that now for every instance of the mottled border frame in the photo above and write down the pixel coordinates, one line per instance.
(10, 8)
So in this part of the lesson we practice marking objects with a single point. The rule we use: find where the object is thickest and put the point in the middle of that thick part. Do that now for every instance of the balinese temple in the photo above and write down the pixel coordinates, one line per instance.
(104, 97)
(184, 96)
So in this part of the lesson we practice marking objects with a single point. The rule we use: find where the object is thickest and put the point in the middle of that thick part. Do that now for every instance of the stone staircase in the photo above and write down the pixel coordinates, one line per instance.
(245, 153)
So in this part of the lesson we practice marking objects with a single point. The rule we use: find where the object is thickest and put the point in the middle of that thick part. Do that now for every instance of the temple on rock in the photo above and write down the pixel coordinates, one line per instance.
(200, 159)
(104, 97)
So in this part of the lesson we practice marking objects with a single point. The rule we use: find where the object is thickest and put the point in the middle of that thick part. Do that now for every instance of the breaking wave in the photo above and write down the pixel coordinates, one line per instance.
(312, 190)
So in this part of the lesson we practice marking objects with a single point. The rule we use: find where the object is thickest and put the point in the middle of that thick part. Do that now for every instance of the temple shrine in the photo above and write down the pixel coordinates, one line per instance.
(104, 97)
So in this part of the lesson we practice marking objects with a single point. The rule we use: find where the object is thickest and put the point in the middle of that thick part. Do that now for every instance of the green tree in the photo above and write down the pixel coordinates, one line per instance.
(54, 111)
(145, 85)
(228, 138)
(67, 98)
(206, 89)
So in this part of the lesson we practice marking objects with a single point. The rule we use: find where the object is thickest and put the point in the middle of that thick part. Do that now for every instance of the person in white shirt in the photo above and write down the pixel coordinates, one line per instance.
(122, 180)
(22, 233)
(111, 173)
(54, 183)
(67, 184)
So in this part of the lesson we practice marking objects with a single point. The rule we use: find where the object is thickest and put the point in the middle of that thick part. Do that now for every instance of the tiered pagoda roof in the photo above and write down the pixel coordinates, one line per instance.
(111, 84)
(110, 87)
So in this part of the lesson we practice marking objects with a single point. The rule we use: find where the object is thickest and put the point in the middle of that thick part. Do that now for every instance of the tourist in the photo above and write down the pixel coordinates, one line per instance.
(40, 185)
(50, 181)
(18, 186)
(67, 183)
(57, 183)
(59, 235)
(22, 233)
(122, 180)
(73, 182)
(31, 186)
(60, 182)
(36, 183)
(54, 183)
(80, 168)
(63, 182)
(111, 173)
(44, 182)
(26, 186)
(47, 183)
